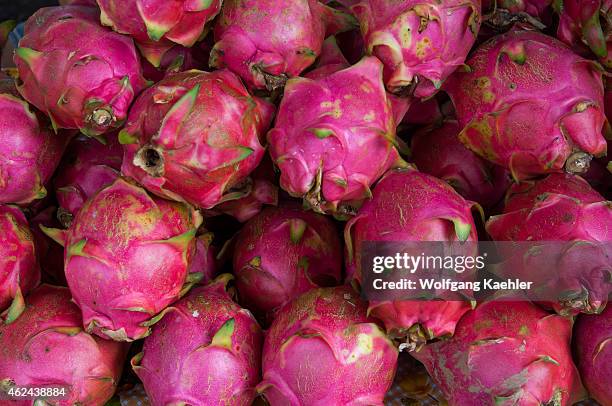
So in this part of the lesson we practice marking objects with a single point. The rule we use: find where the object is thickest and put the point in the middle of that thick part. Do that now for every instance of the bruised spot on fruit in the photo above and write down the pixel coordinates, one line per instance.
(422, 46)
(405, 36)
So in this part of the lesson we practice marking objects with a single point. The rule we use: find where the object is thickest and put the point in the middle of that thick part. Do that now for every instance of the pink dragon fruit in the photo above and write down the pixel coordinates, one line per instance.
(46, 346)
(205, 351)
(251, 195)
(505, 353)
(78, 3)
(32, 152)
(322, 349)
(80, 74)
(87, 167)
(157, 25)
(561, 207)
(352, 45)
(528, 103)
(126, 259)
(593, 349)
(204, 259)
(322, 130)
(439, 152)
(283, 252)
(253, 39)
(19, 271)
(330, 61)
(500, 15)
(420, 42)
(585, 25)
(424, 113)
(409, 205)
(176, 59)
(49, 253)
(194, 136)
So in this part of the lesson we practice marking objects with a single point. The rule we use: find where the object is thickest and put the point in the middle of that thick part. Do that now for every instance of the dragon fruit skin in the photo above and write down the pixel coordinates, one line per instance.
(534, 8)
(439, 152)
(253, 39)
(78, 3)
(159, 24)
(581, 27)
(330, 61)
(283, 252)
(433, 211)
(46, 345)
(194, 136)
(323, 127)
(505, 353)
(530, 104)
(87, 166)
(205, 340)
(501, 15)
(561, 207)
(32, 152)
(593, 348)
(176, 59)
(324, 340)
(135, 250)
(420, 42)
(19, 270)
(204, 259)
(82, 75)
(258, 190)
(49, 253)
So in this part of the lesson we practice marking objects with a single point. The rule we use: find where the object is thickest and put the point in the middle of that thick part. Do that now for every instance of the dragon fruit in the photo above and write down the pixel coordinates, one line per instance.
(283, 252)
(439, 152)
(157, 25)
(126, 259)
(322, 129)
(19, 270)
(87, 166)
(32, 152)
(505, 353)
(424, 113)
(330, 61)
(194, 136)
(561, 207)
(80, 74)
(176, 59)
(420, 42)
(500, 15)
(205, 351)
(46, 346)
(253, 38)
(530, 104)
(322, 349)
(204, 259)
(352, 45)
(430, 210)
(585, 25)
(251, 195)
(78, 3)
(49, 253)
(593, 349)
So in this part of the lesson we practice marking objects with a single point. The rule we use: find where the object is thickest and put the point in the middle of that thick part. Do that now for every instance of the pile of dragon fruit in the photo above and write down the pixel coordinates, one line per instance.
(187, 188)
